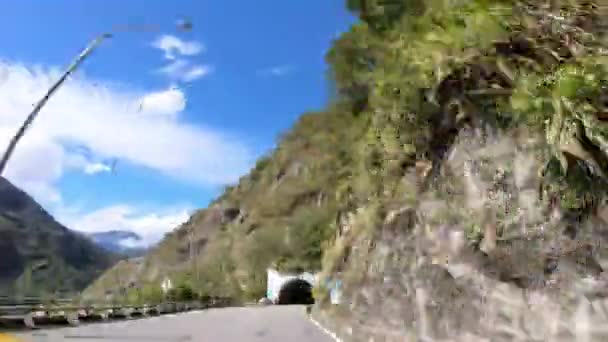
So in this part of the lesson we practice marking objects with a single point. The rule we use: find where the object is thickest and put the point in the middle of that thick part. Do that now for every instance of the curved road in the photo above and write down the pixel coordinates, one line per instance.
(243, 324)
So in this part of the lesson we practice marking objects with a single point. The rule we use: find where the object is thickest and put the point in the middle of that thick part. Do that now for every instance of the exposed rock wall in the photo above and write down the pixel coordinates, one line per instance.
(481, 256)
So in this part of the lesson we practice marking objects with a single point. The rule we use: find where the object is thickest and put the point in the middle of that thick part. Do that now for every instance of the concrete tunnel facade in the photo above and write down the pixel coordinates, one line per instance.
(296, 288)
(290, 288)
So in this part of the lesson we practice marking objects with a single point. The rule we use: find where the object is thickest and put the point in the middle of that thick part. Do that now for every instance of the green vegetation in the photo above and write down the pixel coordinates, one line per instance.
(39, 256)
(151, 294)
(408, 76)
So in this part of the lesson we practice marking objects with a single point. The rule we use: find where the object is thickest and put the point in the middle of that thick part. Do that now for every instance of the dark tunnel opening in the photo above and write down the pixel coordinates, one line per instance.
(296, 292)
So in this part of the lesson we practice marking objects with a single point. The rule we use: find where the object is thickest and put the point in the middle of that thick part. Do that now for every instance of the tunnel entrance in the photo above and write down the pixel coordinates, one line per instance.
(296, 291)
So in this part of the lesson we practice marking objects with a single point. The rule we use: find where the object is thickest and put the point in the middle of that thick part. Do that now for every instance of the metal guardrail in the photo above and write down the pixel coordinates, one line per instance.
(32, 313)
(6, 300)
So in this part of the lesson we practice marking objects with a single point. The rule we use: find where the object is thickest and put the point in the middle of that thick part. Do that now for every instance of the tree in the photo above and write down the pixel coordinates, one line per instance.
(184, 292)
(382, 14)
(171, 295)
(352, 58)
(134, 296)
(308, 231)
(152, 293)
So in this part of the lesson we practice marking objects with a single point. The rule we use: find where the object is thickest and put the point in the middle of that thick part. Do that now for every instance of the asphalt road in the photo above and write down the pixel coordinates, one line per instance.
(260, 324)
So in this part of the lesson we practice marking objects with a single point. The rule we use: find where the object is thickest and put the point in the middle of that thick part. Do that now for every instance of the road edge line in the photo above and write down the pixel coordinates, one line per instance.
(325, 330)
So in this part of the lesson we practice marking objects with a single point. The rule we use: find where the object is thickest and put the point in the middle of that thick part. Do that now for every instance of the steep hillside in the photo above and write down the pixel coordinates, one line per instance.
(280, 214)
(456, 185)
(504, 102)
(37, 254)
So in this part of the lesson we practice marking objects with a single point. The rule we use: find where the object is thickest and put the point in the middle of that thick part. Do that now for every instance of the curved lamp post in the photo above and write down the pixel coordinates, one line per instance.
(183, 25)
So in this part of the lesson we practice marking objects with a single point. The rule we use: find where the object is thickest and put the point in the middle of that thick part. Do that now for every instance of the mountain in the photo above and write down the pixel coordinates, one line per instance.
(456, 187)
(116, 241)
(280, 214)
(39, 255)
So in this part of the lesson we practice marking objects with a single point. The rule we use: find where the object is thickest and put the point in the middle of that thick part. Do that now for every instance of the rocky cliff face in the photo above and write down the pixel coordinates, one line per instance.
(479, 254)
(505, 238)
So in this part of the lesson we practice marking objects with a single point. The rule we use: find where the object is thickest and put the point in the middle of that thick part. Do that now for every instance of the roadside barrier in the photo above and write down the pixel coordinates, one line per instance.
(32, 313)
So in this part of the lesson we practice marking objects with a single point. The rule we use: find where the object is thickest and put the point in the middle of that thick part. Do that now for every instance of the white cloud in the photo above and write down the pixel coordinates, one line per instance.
(279, 70)
(182, 70)
(167, 102)
(106, 120)
(175, 69)
(196, 72)
(95, 168)
(151, 227)
(35, 164)
(81, 159)
(132, 243)
(173, 46)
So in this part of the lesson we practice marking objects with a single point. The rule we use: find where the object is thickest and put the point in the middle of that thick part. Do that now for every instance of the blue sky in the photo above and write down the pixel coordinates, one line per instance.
(182, 113)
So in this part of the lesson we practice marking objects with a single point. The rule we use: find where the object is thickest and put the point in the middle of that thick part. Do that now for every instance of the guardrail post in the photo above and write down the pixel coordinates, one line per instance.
(72, 318)
(28, 320)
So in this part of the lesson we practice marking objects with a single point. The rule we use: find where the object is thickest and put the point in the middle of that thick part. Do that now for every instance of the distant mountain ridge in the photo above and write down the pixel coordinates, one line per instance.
(38, 254)
(114, 241)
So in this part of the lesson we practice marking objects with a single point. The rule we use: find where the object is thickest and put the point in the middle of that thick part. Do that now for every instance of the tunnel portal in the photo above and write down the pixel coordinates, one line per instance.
(296, 291)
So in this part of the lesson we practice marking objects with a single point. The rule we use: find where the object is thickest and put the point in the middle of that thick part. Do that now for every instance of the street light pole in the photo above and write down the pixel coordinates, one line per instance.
(193, 256)
(182, 25)
(32, 116)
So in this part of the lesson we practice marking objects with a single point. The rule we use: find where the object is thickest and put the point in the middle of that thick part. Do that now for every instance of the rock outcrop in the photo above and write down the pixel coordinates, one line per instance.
(505, 238)
(480, 257)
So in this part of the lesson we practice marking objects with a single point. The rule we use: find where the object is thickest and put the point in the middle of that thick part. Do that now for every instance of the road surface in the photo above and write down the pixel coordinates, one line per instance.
(260, 324)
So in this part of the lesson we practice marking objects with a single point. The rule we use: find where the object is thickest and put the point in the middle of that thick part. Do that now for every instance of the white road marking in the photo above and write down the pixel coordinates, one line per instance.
(327, 331)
